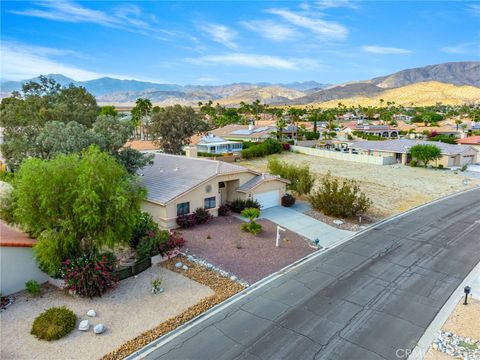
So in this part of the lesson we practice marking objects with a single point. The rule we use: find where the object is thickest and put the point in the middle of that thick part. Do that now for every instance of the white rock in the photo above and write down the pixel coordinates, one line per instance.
(209, 266)
(233, 278)
(99, 328)
(91, 313)
(185, 267)
(338, 222)
(190, 257)
(84, 325)
(178, 265)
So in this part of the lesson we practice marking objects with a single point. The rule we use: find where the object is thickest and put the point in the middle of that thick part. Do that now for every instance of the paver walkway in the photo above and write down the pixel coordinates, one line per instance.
(305, 225)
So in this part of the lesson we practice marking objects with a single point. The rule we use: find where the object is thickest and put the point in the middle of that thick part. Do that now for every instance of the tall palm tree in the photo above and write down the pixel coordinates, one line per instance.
(144, 107)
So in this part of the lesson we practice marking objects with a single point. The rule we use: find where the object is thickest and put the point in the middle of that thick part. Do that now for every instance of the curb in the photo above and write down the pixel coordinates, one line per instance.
(152, 346)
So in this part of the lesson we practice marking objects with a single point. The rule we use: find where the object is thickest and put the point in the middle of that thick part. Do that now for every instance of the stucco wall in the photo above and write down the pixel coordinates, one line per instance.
(376, 160)
(17, 266)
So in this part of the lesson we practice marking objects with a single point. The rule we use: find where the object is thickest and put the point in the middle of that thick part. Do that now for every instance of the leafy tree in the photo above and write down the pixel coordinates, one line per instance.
(339, 199)
(75, 205)
(300, 177)
(426, 153)
(108, 110)
(173, 128)
(24, 115)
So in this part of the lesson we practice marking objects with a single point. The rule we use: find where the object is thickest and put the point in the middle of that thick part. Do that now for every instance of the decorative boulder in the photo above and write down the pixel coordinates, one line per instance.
(190, 257)
(99, 329)
(91, 313)
(178, 265)
(338, 222)
(185, 267)
(84, 325)
(233, 278)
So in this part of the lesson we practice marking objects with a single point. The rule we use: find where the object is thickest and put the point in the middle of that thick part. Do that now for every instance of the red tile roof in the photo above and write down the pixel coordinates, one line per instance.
(472, 140)
(12, 237)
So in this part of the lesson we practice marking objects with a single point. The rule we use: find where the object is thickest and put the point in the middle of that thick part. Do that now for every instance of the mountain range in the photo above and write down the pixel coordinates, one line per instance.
(462, 76)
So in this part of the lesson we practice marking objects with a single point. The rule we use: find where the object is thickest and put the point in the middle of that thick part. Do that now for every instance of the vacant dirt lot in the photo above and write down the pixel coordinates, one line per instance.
(393, 189)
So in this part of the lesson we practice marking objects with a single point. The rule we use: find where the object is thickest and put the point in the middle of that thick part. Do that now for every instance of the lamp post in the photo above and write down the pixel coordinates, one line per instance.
(466, 290)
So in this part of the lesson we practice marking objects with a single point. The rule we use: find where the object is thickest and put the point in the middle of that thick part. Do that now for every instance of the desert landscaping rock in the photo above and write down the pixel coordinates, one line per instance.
(99, 329)
(91, 313)
(84, 325)
(184, 267)
(338, 222)
(178, 265)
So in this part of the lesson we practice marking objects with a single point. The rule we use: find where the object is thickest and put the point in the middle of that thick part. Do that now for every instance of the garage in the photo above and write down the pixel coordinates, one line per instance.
(268, 199)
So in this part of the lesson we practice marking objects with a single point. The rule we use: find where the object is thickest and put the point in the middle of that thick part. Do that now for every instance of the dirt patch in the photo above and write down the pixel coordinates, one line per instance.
(393, 189)
(223, 288)
(348, 224)
(465, 320)
(251, 258)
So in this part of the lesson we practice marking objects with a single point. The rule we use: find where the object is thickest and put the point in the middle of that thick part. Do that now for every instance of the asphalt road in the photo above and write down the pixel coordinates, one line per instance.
(363, 300)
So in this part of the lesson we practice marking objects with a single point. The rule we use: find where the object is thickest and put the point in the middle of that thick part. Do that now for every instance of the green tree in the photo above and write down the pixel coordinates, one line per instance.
(426, 153)
(75, 205)
(300, 177)
(108, 110)
(173, 128)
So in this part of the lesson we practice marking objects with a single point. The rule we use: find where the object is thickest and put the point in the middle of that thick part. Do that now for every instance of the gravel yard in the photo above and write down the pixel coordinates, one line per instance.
(393, 189)
(251, 258)
(127, 311)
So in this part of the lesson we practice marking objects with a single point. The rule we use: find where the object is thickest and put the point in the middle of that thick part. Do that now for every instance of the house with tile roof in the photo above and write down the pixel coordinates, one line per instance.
(178, 185)
(471, 141)
(236, 132)
(452, 155)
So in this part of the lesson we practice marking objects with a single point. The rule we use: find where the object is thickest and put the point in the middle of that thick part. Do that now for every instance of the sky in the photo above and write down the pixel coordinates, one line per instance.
(220, 42)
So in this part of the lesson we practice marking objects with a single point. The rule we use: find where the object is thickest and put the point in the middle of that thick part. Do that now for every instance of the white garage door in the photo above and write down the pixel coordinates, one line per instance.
(268, 199)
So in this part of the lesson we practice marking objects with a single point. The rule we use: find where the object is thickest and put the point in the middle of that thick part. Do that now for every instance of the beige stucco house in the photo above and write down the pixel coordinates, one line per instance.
(452, 155)
(178, 185)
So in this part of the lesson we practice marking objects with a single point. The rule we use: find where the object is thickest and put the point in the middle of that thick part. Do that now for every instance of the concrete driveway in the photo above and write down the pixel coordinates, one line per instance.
(304, 225)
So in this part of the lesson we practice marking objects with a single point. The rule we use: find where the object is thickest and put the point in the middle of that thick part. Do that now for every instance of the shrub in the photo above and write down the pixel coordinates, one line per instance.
(288, 200)
(202, 216)
(464, 167)
(413, 163)
(89, 276)
(269, 146)
(53, 324)
(151, 244)
(251, 227)
(175, 241)
(300, 177)
(6, 176)
(144, 225)
(286, 146)
(342, 200)
(440, 166)
(206, 154)
(33, 287)
(223, 210)
(238, 205)
(187, 221)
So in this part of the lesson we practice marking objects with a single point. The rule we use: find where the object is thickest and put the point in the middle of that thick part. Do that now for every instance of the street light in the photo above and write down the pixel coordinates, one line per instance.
(466, 290)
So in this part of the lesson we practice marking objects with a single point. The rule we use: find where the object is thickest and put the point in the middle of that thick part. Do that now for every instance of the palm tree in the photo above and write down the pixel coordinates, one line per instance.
(144, 107)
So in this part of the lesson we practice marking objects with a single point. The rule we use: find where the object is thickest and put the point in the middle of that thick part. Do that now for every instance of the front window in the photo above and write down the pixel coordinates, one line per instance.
(183, 208)
(210, 203)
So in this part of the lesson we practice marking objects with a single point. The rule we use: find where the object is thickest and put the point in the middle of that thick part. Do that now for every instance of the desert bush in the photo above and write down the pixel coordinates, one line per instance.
(413, 163)
(269, 146)
(89, 276)
(53, 324)
(464, 167)
(238, 205)
(152, 244)
(223, 210)
(251, 227)
(300, 177)
(144, 225)
(175, 242)
(339, 199)
(33, 287)
(187, 221)
(288, 200)
(203, 216)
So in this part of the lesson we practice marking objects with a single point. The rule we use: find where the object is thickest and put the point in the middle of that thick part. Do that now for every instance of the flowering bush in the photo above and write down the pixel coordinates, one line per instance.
(286, 146)
(151, 244)
(223, 210)
(89, 276)
(187, 221)
(175, 241)
(202, 216)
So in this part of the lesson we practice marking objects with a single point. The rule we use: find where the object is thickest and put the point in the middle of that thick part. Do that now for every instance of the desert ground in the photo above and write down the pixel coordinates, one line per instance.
(392, 188)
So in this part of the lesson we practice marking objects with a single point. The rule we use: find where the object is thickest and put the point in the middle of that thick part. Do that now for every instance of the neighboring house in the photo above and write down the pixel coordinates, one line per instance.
(17, 263)
(377, 130)
(452, 155)
(213, 144)
(142, 145)
(178, 185)
(402, 117)
(473, 141)
(245, 132)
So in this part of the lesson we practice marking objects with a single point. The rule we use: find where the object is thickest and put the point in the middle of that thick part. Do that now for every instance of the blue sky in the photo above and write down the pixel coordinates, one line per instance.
(223, 42)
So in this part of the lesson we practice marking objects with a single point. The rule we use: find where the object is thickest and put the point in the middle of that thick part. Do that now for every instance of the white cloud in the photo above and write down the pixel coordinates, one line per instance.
(20, 61)
(221, 34)
(126, 17)
(271, 30)
(206, 79)
(385, 50)
(253, 61)
(464, 48)
(327, 4)
(324, 29)
(474, 9)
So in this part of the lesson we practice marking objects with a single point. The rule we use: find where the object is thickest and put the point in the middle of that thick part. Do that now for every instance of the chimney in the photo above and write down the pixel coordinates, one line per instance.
(191, 151)
(250, 127)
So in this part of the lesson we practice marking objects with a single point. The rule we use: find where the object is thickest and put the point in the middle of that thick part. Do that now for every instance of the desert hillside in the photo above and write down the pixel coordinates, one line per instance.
(268, 95)
(419, 94)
